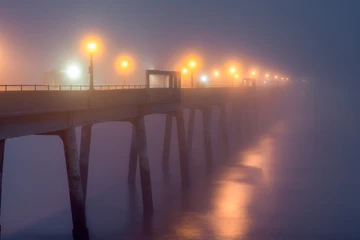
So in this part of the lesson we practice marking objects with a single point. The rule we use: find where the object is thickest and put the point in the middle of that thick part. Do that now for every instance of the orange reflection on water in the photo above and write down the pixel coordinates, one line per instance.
(189, 227)
(230, 216)
(234, 193)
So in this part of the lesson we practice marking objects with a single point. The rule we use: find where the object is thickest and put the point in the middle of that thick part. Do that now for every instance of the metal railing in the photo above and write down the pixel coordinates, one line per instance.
(36, 87)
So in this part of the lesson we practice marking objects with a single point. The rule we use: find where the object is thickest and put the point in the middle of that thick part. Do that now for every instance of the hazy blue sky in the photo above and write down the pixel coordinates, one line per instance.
(303, 38)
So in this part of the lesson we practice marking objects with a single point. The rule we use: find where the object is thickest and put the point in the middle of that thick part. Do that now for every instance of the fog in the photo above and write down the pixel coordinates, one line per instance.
(296, 180)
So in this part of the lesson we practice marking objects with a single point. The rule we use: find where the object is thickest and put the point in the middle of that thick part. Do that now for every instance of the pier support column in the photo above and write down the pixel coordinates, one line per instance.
(80, 231)
(144, 167)
(238, 118)
(224, 130)
(167, 141)
(183, 150)
(254, 114)
(84, 156)
(2, 151)
(190, 132)
(133, 158)
(207, 137)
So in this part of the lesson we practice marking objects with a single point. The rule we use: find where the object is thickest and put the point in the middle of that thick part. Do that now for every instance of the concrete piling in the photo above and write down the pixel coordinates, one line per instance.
(224, 130)
(133, 158)
(144, 167)
(2, 151)
(183, 151)
(80, 231)
(190, 132)
(84, 156)
(167, 141)
(206, 112)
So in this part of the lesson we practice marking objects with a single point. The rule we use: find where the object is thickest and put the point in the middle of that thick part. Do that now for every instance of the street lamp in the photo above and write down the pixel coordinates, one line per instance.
(204, 79)
(73, 72)
(185, 71)
(266, 78)
(192, 65)
(92, 49)
(125, 65)
(232, 71)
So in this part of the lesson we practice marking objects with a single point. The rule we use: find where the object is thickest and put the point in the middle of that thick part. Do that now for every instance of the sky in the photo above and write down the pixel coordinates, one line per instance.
(317, 39)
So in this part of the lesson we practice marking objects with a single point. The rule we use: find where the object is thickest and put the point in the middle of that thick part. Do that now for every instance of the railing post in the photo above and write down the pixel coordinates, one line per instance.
(35, 87)
(5, 88)
(60, 87)
(48, 87)
(71, 87)
(21, 87)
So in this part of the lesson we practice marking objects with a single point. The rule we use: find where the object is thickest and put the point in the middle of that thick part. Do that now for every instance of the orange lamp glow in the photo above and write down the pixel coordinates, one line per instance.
(192, 64)
(185, 71)
(124, 64)
(91, 47)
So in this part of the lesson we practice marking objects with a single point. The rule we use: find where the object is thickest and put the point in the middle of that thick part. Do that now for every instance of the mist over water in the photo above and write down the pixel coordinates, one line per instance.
(296, 180)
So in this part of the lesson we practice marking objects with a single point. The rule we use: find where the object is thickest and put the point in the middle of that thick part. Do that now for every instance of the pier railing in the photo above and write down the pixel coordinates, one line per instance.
(37, 87)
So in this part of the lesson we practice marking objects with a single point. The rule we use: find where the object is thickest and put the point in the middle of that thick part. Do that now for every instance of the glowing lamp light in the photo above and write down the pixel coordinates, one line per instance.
(232, 70)
(204, 79)
(73, 72)
(124, 64)
(282, 78)
(253, 73)
(276, 77)
(266, 75)
(237, 76)
(192, 64)
(216, 73)
(185, 71)
(91, 47)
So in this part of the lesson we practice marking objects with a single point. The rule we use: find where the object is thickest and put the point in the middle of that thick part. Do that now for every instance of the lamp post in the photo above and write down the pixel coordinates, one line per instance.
(266, 78)
(124, 66)
(185, 71)
(232, 71)
(216, 74)
(192, 65)
(92, 48)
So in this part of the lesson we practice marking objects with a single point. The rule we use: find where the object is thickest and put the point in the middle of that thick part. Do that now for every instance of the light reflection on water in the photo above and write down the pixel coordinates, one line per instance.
(231, 195)
(217, 206)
